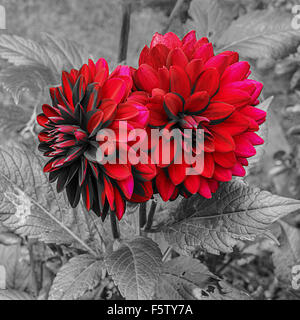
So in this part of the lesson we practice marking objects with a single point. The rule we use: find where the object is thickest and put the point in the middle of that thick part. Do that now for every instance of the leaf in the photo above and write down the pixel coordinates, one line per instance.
(263, 133)
(37, 66)
(72, 55)
(209, 18)
(261, 34)
(187, 279)
(236, 212)
(79, 275)
(33, 78)
(15, 260)
(134, 268)
(33, 66)
(29, 205)
(20, 51)
(287, 255)
(8, 238)
(14, 120)
(14, 295)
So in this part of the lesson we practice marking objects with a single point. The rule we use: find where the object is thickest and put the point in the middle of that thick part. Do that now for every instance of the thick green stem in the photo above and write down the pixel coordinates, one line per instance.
(124, 36)
(114, 225)
(151, 215)
(143, 214)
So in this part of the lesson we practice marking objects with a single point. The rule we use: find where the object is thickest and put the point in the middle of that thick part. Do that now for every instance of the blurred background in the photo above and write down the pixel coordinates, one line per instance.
(96, 25)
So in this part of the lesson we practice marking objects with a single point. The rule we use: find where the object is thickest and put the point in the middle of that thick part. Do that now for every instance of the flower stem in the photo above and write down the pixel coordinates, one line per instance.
(143, 214)
(151, 215)
(124, 36)
(114, 225)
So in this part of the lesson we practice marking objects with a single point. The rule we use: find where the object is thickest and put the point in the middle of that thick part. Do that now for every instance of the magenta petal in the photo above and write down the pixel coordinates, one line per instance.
(127, 186)
(236, 72)
(238, 170)
(243, 147)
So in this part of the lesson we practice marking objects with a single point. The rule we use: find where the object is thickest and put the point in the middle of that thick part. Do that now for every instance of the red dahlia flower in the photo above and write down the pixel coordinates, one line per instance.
(190, 87)
(89, 100)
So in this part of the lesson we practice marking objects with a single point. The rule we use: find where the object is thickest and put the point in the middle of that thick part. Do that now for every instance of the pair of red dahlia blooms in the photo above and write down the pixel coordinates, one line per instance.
(179, 84)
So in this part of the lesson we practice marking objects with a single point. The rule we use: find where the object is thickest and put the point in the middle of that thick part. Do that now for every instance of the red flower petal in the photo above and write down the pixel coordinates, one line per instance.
(197, 102)
(68, 87)
(164, 79)
(170, 40)
(253, 138)
(146, 171)
(232, 56)
(43, 137)
(164, 186)
(119, 204)
(219, 62)
(190, 37)
(238, 170)
(50, 111)
(109, 191)
(84, 72)
(94, 98)
(179, 82)
(177, 57)
(188, 44)
(209, 166)
(235, 97)
(209, 81)
(177, 173)
(173, 104)
(255, 113)
(148, 192)
(108, 108)
(42, 120)
(236, 72)
(244, 148)
(236, 124)
(95, 121)
(158, 116)
(115, 89)
(101, 64)
(204, 189)
(192, 184)
(193, 69)
(245, 85)
(127, 186)
(221, 174)
(225, 160)
(205, 52)
(118, 171)
(223, 141)
(101, 76)
(145, 57)
(213, 184)
(126, 111)
(159, 55)
(146, 78)
(218, 110)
